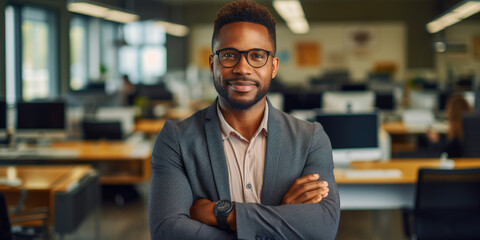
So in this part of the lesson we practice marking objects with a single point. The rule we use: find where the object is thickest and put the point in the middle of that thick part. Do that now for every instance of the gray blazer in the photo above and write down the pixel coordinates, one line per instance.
(188, 163)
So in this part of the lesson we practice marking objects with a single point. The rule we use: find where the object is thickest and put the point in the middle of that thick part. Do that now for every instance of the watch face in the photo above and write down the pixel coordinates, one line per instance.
(223, 205)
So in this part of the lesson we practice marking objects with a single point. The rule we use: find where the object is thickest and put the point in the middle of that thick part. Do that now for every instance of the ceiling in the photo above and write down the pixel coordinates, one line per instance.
(191, 12)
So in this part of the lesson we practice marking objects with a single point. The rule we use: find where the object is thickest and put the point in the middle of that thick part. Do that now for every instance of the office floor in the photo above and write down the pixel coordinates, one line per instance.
(131, 222)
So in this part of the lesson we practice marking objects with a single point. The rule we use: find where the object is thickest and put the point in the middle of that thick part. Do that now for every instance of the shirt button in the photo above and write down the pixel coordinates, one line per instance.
(249, 186)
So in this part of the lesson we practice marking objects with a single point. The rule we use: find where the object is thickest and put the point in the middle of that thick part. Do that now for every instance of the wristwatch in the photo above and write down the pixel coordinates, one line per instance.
(222, 210)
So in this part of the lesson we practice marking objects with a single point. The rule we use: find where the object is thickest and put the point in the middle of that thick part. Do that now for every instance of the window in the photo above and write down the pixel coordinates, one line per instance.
(143, 58)
(31, 44)
(78, 53)
(93, 51)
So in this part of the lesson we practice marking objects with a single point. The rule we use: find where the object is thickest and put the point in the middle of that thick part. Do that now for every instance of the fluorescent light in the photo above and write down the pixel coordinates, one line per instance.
(299, 26)
(119, 16)
(174, 29)
(456, 14)
(88, 9)
(289, 9)
(468, 9)
(98, 11)
(292, 12)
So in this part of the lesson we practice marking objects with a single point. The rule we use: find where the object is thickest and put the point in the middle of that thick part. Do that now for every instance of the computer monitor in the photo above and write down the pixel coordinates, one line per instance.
(477, 101)
(354, 136)
(469, 96)
(125, 115)
(41, 119)
(360, 101)
(3, 118)
(385, 101)
(95, 130)
(354, 87)
(423, 100)
(301, 101)
(442, 100)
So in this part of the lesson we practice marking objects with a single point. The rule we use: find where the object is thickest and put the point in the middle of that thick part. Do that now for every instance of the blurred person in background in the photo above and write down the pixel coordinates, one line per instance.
(128, 91)
(456, 107)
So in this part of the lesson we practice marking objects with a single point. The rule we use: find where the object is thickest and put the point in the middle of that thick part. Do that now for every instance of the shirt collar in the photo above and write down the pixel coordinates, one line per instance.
(227, 130)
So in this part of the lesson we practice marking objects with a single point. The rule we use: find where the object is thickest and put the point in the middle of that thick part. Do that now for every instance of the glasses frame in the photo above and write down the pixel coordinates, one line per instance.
(245, 53)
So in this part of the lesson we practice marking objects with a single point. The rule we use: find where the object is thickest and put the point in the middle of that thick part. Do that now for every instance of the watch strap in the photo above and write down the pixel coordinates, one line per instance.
(222, 222)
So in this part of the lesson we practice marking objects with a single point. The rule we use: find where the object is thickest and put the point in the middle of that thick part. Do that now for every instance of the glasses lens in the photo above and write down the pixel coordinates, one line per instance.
(229, 57)
(257, 58)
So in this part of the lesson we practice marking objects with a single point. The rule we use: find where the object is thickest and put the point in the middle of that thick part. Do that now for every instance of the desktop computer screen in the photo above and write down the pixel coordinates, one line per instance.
(385, 101)
(348, 101)
(3, 118)
(469, 96)
(3, 115)
(301, 101)
(442, 99)
(423, 99)
(41, 119)
(354, 136)
(354, 87)
(101, 129)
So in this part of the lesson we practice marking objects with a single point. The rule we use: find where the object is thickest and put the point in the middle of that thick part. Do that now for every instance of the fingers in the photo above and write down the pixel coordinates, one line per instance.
(306, 189)
(319, 190)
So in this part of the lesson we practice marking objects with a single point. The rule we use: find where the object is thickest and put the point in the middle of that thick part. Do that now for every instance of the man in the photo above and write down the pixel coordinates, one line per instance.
(241, 168)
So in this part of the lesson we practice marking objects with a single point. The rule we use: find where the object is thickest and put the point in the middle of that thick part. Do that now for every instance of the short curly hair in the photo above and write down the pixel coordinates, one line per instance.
(245, 11)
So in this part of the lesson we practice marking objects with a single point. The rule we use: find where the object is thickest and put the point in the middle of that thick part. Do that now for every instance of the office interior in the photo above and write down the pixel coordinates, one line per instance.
(83, 98)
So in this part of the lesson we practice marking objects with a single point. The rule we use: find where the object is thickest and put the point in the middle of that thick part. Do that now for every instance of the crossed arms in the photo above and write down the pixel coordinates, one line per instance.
(180, 209)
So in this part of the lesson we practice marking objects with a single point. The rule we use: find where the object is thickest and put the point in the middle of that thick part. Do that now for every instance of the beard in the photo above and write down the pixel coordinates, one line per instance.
(240, 104)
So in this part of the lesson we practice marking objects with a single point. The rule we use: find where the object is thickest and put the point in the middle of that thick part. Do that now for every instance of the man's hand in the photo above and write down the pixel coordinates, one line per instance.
(202, 210)
(306, 189)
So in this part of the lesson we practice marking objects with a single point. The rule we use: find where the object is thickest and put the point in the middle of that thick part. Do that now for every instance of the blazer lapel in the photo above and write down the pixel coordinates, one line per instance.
(216, 152)
(272, 155)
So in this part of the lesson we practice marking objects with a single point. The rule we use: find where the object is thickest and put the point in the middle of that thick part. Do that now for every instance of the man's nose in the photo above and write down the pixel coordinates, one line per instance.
(242, 67)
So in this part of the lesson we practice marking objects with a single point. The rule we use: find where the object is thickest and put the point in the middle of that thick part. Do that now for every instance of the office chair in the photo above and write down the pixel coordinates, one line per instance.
(447, 205)
(471, 138)
(22, 225)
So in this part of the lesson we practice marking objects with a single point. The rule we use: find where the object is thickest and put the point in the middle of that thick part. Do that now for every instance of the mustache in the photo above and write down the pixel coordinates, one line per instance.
(246, 79)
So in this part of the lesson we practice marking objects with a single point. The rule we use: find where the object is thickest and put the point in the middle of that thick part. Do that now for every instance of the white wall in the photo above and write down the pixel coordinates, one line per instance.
(336, 49)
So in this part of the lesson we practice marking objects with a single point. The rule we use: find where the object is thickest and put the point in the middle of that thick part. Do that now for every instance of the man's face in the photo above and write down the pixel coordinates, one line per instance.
(242, 86)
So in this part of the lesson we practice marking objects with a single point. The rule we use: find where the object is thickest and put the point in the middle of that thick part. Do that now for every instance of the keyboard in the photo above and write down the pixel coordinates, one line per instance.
(10, 182)
(373, 173)
(39, 153)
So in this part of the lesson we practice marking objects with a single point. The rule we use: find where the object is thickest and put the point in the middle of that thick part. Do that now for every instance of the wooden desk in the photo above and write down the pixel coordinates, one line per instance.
(149, 126)
(387, 193)
(400, 128)
(117, 162)
(41, 184)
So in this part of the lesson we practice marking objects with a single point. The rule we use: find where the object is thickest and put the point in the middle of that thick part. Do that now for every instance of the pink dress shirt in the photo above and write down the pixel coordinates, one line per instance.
(245, 160)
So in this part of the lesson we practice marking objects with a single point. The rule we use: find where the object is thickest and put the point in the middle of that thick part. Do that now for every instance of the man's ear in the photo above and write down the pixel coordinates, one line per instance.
(210, 63)
(275, 64)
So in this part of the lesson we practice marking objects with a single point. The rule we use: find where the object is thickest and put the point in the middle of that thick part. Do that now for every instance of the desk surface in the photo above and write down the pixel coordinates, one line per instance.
(107, 150)
(386, 193)
(149, 126)
(408, 167)
(117, 162)
(41, 183)
(49, 178)
(399, 127)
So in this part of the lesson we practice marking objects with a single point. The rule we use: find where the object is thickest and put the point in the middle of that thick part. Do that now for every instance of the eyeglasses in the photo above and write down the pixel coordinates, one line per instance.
(229, 57)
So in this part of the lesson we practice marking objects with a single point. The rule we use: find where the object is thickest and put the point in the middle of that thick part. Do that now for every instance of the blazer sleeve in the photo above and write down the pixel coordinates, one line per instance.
(171, 195)
(297, 221)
